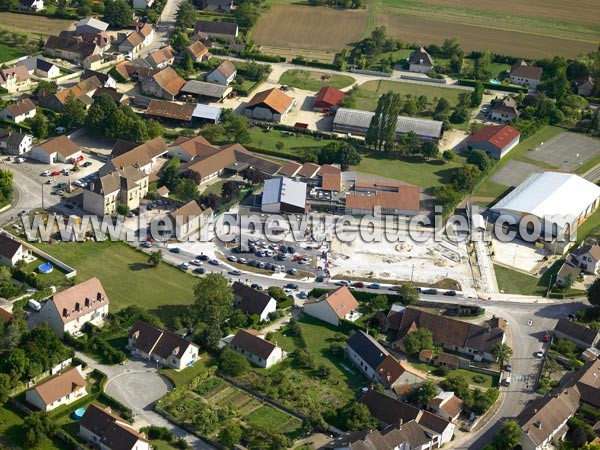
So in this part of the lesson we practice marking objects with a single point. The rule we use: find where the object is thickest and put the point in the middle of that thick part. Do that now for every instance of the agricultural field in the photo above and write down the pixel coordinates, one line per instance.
(313, 81)
(489, 27)
(312, 28)
(34, 24)
(8, 53)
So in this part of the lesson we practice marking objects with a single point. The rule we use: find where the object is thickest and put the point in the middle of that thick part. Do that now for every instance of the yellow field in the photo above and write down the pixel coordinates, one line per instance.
(33, 24)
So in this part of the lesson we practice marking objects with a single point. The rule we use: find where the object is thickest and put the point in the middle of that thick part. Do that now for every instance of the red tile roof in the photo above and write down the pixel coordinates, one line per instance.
(499, 136)
(328, 95)
(272, 98)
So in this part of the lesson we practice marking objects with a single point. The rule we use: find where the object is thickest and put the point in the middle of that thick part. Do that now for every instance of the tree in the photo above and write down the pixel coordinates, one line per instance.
(341, 153)
(593, 293)
(420, 339)
(85, 8)
(448, 155)
(37, 427)
(422, 103)
(230, 435)
(429, 149)
(358, 417)
(477, 95)
(155, 258)
(118, 13)
(179, 39)
(459, 115)
(235, 127)
(465, 177)
(39, 125)
(424, 393)
(186, 15)
(6, 5)
(6, 186)
(123, 209)
(17, 362)
(230, 190)
(246, 15)
(5, 387)
(409, 294)
(211, 336)
(379, 302)
(278, 294)
(382, 129)
(213, 298)
(232, 363)
(186, 190)
(253, 176)
(442, 108)
(509, 435)
(503, 352)
(480, 159)
(482, 66)
(459, 385)
(73, 115)
(279, 145)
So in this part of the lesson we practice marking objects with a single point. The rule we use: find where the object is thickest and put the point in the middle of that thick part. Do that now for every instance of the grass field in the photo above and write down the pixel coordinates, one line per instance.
(313, 28)
(515, 282)
(33, 24)
(312, 81)
(11, 430)
(8, 53)
(126, 275)
(292, 145)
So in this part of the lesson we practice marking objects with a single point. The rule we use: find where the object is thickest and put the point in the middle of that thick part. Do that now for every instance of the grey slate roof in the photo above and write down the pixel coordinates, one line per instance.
(371, 351)
(250, 300)
(576, 331)
(362, 119)
(206, 89)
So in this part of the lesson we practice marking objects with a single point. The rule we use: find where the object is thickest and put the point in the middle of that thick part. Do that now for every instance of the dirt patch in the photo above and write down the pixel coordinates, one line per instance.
(507, 42)
(289, 27)
(28, 23)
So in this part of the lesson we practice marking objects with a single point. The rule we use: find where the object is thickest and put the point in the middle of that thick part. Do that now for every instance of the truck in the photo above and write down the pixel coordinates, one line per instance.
(34, 304)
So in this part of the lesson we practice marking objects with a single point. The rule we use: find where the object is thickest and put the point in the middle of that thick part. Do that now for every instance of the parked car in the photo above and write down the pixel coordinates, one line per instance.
(61, 185)
(508, 368)
(358, 284)
(547, 338)
(146, 244)
(342, 283)
(235, 272)
(430, 291)
(261, 265)
(540, 353)
(55, 173)
(319, 279)
(20, 160)
(50, 181)
(291, 286)
(199, 271)
(374, 286)
(232, 258)
(242, 260)
(196, 262)
(175, 250)
(256, 286)
(450, 293)
(184, 266)
(292, 271)
(45, 173)
(303, 295)
(203, 257)
(86, 164)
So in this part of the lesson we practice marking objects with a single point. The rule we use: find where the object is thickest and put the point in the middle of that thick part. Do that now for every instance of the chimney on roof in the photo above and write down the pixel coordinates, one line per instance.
(87, 302)
(77, 306)
(65, 312)
(99, 296)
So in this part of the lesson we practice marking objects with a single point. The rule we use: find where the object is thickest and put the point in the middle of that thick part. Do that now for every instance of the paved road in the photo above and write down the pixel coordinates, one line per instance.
(164, 27)
(137, 385)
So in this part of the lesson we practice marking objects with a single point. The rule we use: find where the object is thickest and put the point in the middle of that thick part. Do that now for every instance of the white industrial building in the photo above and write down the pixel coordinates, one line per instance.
(284, 195)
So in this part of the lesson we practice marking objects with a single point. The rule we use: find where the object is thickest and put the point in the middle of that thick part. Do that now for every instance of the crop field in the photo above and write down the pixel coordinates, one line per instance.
(313, 28)
(8, 53)
(32, 24)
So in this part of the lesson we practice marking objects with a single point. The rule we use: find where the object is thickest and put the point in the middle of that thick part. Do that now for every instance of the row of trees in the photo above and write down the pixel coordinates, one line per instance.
(6, 187)
(347, 4)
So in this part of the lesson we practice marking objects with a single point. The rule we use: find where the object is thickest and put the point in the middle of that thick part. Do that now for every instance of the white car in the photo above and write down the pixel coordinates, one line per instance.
(45, 173)
(242, 260)
(540, 353)
(66, 171)
(196, 262)
(184, 266)
(20, 160)
(232, 258)
(50, 181)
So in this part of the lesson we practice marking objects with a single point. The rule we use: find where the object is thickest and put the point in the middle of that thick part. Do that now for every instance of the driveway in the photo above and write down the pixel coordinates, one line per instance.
(137, 385)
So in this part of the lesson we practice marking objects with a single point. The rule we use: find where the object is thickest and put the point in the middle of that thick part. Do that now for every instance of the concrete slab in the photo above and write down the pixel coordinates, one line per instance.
(566, 151)
(514, 173)
(518, 254)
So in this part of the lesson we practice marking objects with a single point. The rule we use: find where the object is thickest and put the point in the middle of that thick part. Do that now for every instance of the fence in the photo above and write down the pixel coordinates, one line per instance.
(371, 72)
(423, 79)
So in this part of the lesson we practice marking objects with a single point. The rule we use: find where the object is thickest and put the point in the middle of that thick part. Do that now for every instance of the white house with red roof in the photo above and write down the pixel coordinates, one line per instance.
(333, 306)
(495, 140)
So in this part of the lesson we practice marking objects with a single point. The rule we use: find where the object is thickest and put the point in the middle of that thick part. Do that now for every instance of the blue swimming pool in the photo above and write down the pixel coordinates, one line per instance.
(494, 81)
(45, 268)
(78, 413)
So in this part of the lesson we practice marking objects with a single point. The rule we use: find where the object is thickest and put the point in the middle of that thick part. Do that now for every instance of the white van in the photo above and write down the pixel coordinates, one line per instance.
(34, 304)
(507, 380)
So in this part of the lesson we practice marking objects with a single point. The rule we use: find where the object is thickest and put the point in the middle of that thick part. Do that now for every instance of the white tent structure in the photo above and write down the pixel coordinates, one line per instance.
(559, 198)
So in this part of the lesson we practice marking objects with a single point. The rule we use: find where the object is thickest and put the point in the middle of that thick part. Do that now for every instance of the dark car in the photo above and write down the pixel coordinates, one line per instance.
(291, 286)
(199, 271)
(319, 279)
(430, 291)
(373, 286)
(571, 317)
(203, 257)
(450, 293)
(291, 249)
(395, 287)
(175, 250)
(358, 284)
(214, 262)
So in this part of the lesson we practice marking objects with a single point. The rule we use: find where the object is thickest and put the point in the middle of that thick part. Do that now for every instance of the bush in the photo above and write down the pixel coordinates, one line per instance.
(496, 87)
(162, 433)
(232, 363)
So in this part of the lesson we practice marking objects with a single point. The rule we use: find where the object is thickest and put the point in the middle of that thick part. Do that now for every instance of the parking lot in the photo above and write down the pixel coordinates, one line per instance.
(566, 151)
(514, 173)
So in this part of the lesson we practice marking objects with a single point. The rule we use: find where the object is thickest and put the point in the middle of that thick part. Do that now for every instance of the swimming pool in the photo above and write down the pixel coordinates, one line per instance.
(45, 268)
(78, 413)
(494, 81)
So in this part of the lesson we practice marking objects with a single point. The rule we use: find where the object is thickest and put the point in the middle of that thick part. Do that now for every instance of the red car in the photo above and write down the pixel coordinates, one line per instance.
(55, 173)
(547, 338)
(358, 284)
(76, 160)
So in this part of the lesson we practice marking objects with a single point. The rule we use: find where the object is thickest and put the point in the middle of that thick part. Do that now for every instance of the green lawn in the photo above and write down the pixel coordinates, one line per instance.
(497, 69)
(182, 377)
(514, 282)
(11, 429)
(591, 227)
(425, 174)
(292, 145)
(488, 380)
(8, 53)
(313, 81)
(126, 275)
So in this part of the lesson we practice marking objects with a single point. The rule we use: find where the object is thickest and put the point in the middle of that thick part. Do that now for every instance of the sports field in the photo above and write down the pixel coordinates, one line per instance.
(33, 24)
(313, 28)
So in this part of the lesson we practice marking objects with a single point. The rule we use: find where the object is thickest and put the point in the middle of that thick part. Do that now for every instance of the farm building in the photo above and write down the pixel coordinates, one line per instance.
(420, 61)
(163, 110)
(198, 51)
(354, 121)
(564, 200)
(223, 30)
(38, 66)
(203, 91)
(284, 195)
(90, 25)
(328, 98)
(223, 74)
(58, 149)
(223, 6)
(495, 140)
(270, 105)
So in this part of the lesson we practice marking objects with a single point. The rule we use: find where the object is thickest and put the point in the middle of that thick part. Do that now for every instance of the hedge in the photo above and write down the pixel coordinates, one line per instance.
(496, 87)
(265, 58)
(361, 296)
(314, 63)
(274, 153)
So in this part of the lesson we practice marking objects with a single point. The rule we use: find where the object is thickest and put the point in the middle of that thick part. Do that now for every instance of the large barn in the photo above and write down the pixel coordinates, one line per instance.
(564, 199)
(272, 105)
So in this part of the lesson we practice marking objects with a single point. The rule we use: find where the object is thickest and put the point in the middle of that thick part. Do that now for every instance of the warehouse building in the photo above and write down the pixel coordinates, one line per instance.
(284, 195)
(495, 140)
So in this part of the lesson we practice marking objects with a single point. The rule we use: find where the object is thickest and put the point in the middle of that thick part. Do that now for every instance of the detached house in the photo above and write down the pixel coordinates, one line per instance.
(188, 219)
(142, 157)
(82, 92)
(162, 346)
(31, 5)
(59, 149)
(16, 143)
(62, 389)
(583, 337)
(253, 345)
(101, 428)
(121, 187)
(69, 310)
(250, 301)
(223, 30)
(19, 111)
(15, 79)
(135, 41)
(333, 307)
(505, 110)
(223, 74)
(198, 51)
(40, 67)
(588, 258)
(11, 250)
(420, 61)
(70, 48)
(447, 405)
(272, 105)
(159, 59)
(165, 84)
(525, 75)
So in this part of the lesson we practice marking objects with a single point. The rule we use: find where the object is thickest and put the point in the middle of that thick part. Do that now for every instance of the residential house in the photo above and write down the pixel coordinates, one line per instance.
(70, 48)
(58, 149)
(505, 110)
(545, 419)
(420, 61)
(388, 411)
(15, 79)
(223, 74)
(142, 157)
(119, 98)
(225, 159)
(569, 271)
(283, 195)
(404, 201)
(333, 307)
(18, 143)
(272, 105)
(253, 345)
(525, 75)
(127, 186)
(39, 67)
(101, 39)
(588, 258)
(105, 79)
(62, 389)
(354, 121)
(447, 405)
(290, 169)
(131, 71)
(11, 250)
(331, 179)
(227, 31)
(162, 346)
(19, 111)
(106, 431)
(90, 25)
(582, 336)
(328, 99)
(252, 302)
(308, 171)
(586, 86)
(31, 5)
(82, 92)
(142, 4)
(587, 382)
(469, 339)
(223, 6)
(135, 41)
(165, 84)
(198, 51)
(69, 310)
(495, 140)
(93, 62)
(159, 59)
(188, 219)
(189, 148)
